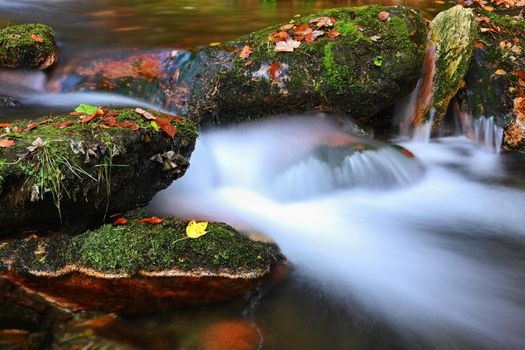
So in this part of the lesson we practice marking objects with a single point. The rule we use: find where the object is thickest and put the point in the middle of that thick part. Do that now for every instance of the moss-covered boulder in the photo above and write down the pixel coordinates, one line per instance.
(495, 83)
(349, 60)
(454, 34)
(27, 46)
(140, 267)
(64, 168)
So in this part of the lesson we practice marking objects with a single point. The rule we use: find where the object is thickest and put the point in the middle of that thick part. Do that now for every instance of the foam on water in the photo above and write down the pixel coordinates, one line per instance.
(398, 245)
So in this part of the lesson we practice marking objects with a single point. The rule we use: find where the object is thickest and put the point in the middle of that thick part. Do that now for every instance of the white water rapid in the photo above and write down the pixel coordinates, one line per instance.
(415, 241)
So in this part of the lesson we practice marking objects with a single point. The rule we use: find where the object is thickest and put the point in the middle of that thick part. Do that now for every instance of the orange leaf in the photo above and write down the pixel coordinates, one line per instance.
(30, 126)
(46, 121)
(287, 27)
(120, 221)
(6, 143)
(5, 125)
(246, 52)
(383, 15)
(152, 220)
(174, 118)
(128, 125)
(333, 34)
(111, 121)
(520, 73)
(62, 125)
(273, 69)
(167, 127)
(37, 38)
(249, 63)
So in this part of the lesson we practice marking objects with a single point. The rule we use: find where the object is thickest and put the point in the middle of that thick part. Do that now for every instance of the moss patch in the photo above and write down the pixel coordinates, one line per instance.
(136, 245)
(27, 46)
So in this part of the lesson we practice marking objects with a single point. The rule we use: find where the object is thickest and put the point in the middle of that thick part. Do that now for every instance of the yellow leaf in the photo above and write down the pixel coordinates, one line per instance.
(501, 72)
(196, 229)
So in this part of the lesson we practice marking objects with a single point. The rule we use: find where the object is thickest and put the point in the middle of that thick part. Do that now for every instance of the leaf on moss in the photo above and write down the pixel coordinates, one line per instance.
(383, 16)
(246, 52)
(120, 221)
(6, 143)
(196, 229)
(86, 109)
(273, 69)
(37, 38)
(152, 220)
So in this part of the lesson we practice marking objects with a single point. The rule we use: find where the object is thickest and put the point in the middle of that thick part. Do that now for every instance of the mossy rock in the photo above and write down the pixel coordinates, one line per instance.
(355, 73)
(140, 267)
(495, 82)
(27, 46)
(63, 170)
(454, 34)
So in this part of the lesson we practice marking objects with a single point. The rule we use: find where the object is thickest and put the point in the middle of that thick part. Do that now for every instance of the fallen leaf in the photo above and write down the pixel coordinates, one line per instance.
(303, 30)
(145, 114)
(167, 127)
(383, 16)
(152, 220)
(516, 49)
(217, 43)
(520, 73)
(37, 38)
(378, 61)
(500, 72)
(334, 33)
(287, 27)
(323, 21)
(111, 121)
(246, 52)
(287, 46)
(273, 70)
(129, 125)
(120, 221)
(5, 125)
(86, 109)
(62, 125)
(483, 30)
(249, 63)
(6, 143)
(375, 38)
(478, 45)
(196, 229)
(88, 118)
(30, 126)
(489, 8)
(45, 121)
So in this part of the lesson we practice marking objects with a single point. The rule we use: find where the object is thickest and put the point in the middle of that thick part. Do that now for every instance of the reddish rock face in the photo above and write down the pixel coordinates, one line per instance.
(145, 293)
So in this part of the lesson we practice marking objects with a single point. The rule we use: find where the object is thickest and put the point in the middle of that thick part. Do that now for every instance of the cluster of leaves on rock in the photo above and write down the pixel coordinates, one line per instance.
(490, 5)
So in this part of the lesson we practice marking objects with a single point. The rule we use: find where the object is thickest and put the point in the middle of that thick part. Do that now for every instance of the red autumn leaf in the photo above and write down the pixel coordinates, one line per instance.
(333, 34)
(37, 38)
(302, 30)
(30, 126)
(111, 114)
(383, 15)
(246, 52)
(111, 121)
(145, 114)
(120, 221)
(478, 45)
(128, 125)
(103, 126)
(6, 143)
(88, 118)
(273, 69)
(5, 125)
(174, 118)
(152, 220)
(167, 127)
(249, 63)
(520, 73)
(46, 121)
(62, 125)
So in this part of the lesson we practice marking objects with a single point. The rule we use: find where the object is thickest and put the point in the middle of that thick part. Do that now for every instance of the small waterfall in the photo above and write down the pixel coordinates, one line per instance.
(487, 134)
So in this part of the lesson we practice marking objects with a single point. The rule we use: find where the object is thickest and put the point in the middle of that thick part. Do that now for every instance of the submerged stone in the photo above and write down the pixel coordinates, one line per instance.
(63, 169)
(361, 69)
(140, 267)
(454, 33)
(27, 46)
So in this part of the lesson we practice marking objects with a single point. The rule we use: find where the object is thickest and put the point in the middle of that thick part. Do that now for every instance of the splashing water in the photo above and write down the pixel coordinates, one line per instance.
(414, 247)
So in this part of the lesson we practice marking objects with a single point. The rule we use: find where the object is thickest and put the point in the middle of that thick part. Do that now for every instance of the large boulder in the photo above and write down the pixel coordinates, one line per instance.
(495, 84)
(27, 46)
(356, 61)
(66, 168)
(453, 34)
(140, 267)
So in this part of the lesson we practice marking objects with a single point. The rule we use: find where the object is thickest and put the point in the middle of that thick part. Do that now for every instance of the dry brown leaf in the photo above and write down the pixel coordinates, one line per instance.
(286, 46)
(287, 27)
(383, 16)
(273, 70)
(37, 38)
(6, 143)
(334, 33)
(246, 52)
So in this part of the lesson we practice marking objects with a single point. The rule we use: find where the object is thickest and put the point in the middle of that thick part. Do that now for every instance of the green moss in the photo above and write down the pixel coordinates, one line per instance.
(67, 158)
(27, 45)
(136, 245)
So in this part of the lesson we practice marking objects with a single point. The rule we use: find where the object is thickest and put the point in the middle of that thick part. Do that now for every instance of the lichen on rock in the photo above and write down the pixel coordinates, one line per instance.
(27, 46)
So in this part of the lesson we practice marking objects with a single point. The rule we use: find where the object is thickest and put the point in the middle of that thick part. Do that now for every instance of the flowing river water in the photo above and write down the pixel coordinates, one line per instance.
(386, 250)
